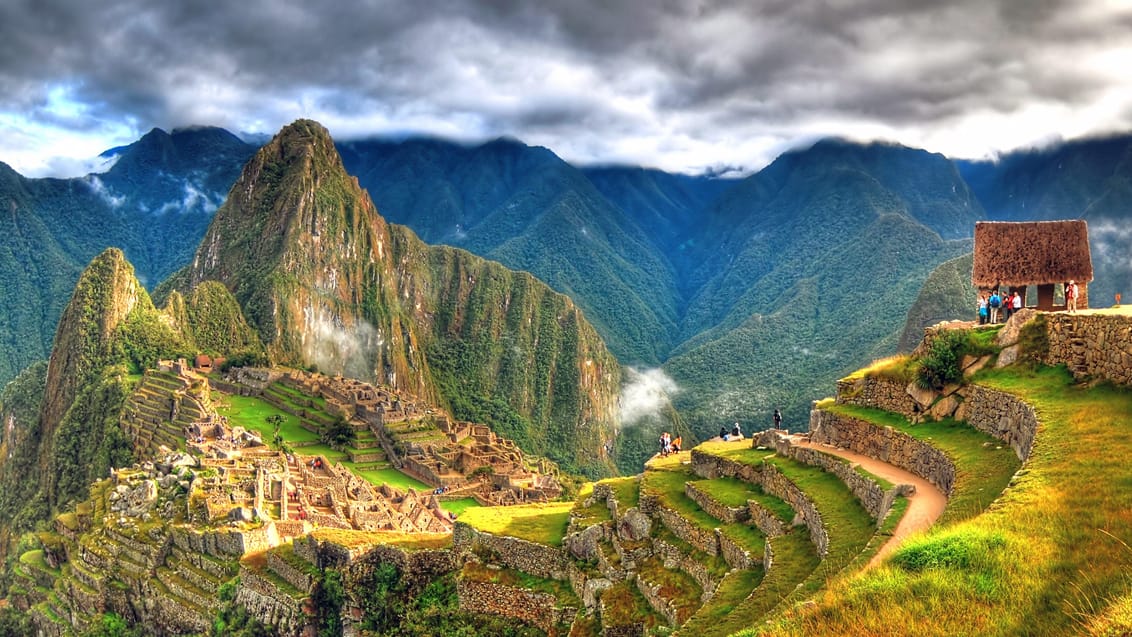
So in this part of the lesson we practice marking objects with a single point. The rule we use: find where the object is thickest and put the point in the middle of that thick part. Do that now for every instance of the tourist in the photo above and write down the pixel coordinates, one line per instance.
(1016, 302)
(723, 434)
(777, 419)
(1071, 296)
(736, 432)
(995, 302)
(676, 444)
(983, 308)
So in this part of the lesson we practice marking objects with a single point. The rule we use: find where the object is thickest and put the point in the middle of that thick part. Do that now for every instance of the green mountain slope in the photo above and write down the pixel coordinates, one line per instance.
(326, 281)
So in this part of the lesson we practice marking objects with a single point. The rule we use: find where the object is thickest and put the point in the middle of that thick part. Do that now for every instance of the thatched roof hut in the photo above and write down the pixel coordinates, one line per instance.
(1038, 253)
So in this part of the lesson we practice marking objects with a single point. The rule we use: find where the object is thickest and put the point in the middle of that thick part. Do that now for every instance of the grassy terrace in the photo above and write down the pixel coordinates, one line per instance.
(477, 572)
(623, 605)
(1051, 557)
(983, 464)
(847, 522)
(544, 523)
(583, 516)
(665, 478)
(360, 539)
(733, 492)
(675, 586)
(252, 413)
(627, 491)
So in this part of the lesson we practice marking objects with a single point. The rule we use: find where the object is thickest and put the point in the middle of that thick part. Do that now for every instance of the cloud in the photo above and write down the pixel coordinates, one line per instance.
(337, 348)
(679, 85)
(646, 393)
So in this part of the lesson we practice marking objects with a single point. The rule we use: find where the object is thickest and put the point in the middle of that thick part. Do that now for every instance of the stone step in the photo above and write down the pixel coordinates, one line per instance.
(186, 591)
(206, 582)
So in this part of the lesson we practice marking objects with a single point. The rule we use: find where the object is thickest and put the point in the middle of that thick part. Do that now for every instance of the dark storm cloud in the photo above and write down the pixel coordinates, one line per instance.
(596, 80)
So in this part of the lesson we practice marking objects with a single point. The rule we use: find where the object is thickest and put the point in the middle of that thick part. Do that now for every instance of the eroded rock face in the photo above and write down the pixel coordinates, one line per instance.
(1009, 333)
(584, 545)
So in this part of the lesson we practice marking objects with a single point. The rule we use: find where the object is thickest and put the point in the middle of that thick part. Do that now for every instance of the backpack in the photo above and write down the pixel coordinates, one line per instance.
(995, 301)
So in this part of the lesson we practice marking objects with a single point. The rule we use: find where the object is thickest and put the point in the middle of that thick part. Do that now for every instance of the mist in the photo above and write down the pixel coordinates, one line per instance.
(645, 394)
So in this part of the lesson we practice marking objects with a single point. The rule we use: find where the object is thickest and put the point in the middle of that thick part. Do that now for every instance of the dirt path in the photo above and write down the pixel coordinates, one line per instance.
(924, 507)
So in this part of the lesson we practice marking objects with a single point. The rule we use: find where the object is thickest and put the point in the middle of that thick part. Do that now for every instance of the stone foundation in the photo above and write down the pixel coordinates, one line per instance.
(1091, 345)
(1003, 416)
(537, 559)
(538, 609)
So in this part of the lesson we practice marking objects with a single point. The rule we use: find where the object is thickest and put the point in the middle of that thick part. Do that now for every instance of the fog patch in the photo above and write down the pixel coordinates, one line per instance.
(98, 188)
(645, 394)
(337, 348)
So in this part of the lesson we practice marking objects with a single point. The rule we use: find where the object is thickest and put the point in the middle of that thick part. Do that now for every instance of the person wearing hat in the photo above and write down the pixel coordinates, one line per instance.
(1071, 296)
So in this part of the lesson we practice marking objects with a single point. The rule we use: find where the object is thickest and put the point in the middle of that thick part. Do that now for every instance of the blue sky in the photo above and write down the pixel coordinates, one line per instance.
(676, 84)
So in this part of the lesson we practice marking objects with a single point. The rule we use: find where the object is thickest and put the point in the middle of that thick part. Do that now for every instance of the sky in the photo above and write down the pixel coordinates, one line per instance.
(682, 85)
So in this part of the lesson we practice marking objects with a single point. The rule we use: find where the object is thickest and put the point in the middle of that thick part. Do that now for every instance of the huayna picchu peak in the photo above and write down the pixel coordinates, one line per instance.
(326, 282)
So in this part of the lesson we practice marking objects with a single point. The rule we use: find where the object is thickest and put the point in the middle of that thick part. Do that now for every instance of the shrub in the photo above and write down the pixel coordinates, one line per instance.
(941, 364)
(1033, 341)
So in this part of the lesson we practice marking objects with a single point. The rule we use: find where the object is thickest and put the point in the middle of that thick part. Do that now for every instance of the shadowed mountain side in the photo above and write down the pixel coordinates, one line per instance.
(528, 209)
(813, 327)
(947, 295)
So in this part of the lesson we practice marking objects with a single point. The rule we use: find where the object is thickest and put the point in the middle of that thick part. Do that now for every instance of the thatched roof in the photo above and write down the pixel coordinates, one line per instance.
(1031, 253)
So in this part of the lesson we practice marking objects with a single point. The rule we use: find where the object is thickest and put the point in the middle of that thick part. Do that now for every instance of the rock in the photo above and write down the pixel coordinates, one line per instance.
(961, 411)
(584, 545)
(591, 590)
(944, 408)
(181, 459)
(923, 397)
(1009, 333)
(978, 364)
(1008, 356)
(634, 525)
(240, 514)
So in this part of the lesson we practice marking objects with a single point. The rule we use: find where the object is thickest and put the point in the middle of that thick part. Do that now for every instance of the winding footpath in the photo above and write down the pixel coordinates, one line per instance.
(924, 506)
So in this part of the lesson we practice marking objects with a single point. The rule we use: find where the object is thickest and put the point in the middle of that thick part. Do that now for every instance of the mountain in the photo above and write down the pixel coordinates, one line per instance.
(326, 281)
(528, 209)
(154, 203)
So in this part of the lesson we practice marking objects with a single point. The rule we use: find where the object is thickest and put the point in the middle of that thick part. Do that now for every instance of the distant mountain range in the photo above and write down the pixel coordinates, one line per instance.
(749, 293)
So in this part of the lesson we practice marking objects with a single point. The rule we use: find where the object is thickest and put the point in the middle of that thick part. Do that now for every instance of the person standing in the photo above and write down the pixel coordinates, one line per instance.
(1071, 296)
(995, 302)
(777, 419)
(1016, 302)
(983, 308)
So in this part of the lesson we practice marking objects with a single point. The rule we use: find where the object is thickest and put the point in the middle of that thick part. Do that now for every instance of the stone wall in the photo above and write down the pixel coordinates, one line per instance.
(267, 604)
(300, 579)
(1003, 416)
(773, 482)
(538, 609)
(1091, 345)
(714, 508)
(882, 393)
(530, 557)
(875, 498)
(885, 444)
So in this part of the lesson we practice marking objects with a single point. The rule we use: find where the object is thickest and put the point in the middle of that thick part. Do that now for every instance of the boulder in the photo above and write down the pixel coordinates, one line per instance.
(592, 590)
(584, 545)
(975, 365)
(1009, 333)
(945, 407)
(634, 525)
(1008, 356)
(923, 397)
(240, 514)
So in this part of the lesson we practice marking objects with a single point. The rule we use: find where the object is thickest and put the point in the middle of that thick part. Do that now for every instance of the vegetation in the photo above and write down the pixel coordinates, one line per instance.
(544, 523)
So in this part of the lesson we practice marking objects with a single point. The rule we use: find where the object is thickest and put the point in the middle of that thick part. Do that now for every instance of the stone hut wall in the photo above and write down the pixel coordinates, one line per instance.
(530, 557)
(885, 444)
(538, 609)
(1091, 345)
(873, 391)
(772, 481)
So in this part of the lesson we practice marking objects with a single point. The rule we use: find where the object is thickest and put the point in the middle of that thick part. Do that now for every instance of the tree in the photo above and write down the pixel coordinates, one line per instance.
(338, 434)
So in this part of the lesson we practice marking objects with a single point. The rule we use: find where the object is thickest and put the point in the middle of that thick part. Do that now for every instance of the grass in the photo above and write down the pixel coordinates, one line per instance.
(900, 367)
(734, 492)
(623, 605)
(459, 506)
(544, 523)
(252, 413)
(583, 516)
(983, 464)
(675, 586)
(360, 539)
(35, 559)
(391, 477)
(627, 491)
(1051, 557)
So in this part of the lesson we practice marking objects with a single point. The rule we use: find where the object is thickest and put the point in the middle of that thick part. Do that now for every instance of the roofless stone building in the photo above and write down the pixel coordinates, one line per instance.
(1045, 254)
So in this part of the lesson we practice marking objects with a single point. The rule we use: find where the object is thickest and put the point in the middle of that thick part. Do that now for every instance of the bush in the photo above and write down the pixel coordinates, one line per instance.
(940, 366)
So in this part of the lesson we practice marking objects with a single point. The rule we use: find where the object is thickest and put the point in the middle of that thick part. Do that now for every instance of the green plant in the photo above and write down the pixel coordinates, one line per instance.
(940, 365)
(339, 434)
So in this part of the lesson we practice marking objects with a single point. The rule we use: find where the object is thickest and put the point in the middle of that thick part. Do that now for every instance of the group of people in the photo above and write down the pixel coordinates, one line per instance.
(993, 306)
(668, 444)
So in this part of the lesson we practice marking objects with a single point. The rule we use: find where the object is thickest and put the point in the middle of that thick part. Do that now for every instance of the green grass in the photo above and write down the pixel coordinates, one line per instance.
(252, 413)
(733, 590)
(35, 559)
(391, 477)
(733, 492)
(459, 506)
(983, 464)
(544, 523)
(1051, 557)
(582, 516)
(623, 605)
(675, 586)
(627, 491)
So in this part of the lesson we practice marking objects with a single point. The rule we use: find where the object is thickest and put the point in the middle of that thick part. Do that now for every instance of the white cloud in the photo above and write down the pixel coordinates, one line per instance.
(645, 393)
